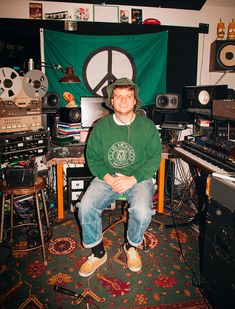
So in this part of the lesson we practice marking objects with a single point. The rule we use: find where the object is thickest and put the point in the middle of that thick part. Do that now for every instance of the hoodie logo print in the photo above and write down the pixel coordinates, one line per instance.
(121, 154)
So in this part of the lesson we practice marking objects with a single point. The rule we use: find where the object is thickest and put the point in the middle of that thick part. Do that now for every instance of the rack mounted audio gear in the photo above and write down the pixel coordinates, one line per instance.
(20, 124)
(19, 145)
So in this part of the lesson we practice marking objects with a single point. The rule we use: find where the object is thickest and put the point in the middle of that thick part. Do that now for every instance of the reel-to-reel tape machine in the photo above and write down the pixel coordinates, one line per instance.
(20, 100)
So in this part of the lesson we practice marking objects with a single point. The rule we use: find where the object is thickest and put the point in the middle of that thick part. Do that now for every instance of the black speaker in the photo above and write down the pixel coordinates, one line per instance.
(50, 102)
(218, 256)
(201, 97)
(70, 114)
(168, 101)
(222, 55)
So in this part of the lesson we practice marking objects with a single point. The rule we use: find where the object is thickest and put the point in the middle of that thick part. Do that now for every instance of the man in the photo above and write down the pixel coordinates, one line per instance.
(123, 153)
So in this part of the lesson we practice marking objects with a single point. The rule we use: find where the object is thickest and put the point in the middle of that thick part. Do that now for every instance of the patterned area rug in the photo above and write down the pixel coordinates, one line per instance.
(165, 280)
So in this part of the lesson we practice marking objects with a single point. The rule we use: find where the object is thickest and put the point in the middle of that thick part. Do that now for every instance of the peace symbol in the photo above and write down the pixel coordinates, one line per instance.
(104, 65)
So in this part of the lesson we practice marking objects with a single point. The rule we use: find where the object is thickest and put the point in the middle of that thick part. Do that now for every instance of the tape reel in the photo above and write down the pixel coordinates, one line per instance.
(10, 84)
(35, 84)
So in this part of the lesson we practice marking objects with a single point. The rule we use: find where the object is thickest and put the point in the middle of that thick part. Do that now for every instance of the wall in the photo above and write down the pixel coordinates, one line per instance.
(209, 14)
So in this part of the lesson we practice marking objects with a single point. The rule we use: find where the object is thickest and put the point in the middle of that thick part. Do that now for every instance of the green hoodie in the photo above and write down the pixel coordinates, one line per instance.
(133, 150)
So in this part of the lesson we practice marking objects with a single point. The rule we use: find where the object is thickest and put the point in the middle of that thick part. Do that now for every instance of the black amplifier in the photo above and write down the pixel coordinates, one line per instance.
(21, 175)
(217, 245)
(21, 145)
(223, 191)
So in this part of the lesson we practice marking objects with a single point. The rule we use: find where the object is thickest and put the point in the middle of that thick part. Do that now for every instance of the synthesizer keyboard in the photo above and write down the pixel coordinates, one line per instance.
(195, 159)
(212, 154)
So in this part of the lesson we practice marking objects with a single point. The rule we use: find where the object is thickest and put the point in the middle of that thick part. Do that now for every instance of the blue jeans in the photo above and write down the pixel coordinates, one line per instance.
(99, 196)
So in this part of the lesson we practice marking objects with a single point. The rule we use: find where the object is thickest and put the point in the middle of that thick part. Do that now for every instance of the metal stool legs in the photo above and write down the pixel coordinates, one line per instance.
(2, 217)
(12, 217)
(123, 218)
(35, 190)
(40, 222)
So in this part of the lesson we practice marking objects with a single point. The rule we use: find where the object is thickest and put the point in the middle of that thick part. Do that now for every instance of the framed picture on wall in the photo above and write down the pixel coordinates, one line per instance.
(124, 16)
(35, 10)
(61, 15)
(136, 16)
(106, 13)
(82, 14)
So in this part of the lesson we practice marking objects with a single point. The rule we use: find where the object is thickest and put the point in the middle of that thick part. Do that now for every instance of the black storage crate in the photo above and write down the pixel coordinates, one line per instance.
(78, 179)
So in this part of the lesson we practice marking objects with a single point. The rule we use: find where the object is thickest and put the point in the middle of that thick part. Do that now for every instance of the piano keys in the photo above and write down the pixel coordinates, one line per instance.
(196, 160)
(210, 158)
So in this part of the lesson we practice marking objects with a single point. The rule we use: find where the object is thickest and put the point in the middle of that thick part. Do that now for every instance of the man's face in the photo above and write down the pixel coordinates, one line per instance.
(123, 100)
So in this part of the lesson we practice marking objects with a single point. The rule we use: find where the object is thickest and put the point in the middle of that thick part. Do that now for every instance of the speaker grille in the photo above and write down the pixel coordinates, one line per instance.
(226, 56)
(222, 55)
(168, 101)
(50, 102)
(70, 114)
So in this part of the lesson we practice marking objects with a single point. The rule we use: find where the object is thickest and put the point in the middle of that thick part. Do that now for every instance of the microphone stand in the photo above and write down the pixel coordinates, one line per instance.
(65, 291)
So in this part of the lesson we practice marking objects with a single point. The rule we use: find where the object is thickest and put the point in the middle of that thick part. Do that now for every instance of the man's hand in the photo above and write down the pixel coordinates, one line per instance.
(120, 183)
(109, 179)
(123, 183)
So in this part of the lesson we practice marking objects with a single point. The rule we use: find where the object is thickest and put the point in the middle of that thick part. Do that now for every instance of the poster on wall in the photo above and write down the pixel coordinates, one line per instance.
(124, 16)
(35, 10)
(82, 14)
(106, 13)
(61, 15)
(136, 16)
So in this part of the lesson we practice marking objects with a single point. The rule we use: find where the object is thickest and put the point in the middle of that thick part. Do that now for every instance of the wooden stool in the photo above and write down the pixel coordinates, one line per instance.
(37, 189)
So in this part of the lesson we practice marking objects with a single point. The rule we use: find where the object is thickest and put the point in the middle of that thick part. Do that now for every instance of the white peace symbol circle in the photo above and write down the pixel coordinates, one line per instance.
(105, 65)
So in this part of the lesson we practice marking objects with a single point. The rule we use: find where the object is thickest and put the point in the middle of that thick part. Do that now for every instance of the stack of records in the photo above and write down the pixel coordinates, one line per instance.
(69, 130)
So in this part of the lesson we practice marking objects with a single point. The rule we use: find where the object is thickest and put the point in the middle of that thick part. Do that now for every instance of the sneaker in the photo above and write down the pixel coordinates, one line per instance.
(89, 267)
(133, 259)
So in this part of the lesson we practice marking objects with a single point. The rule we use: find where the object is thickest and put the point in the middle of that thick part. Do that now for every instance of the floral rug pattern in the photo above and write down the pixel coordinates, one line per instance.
(163, 282)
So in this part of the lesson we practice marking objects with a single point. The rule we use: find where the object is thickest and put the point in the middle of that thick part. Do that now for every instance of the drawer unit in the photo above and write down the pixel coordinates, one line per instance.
(78, 179)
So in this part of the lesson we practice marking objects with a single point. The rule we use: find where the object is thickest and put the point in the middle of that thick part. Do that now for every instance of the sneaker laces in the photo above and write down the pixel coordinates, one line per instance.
(132, 252)
(92, 258)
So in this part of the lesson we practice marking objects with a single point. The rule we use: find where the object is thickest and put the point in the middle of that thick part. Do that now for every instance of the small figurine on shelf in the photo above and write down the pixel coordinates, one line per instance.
(231, 30)
(220, 30)
(70, 99)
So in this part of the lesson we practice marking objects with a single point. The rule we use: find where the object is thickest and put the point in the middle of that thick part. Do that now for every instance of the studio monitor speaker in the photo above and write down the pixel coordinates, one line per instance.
(201, 97)
(168, 101)
(70, 114)
(50, 102)
(222, 55)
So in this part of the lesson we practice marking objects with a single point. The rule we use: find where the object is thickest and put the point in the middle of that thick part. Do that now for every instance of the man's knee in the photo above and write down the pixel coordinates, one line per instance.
(84, 208)
(141, 214)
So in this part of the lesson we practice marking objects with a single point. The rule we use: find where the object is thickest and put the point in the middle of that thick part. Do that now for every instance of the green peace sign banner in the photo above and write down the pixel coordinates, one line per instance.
(98, 60)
